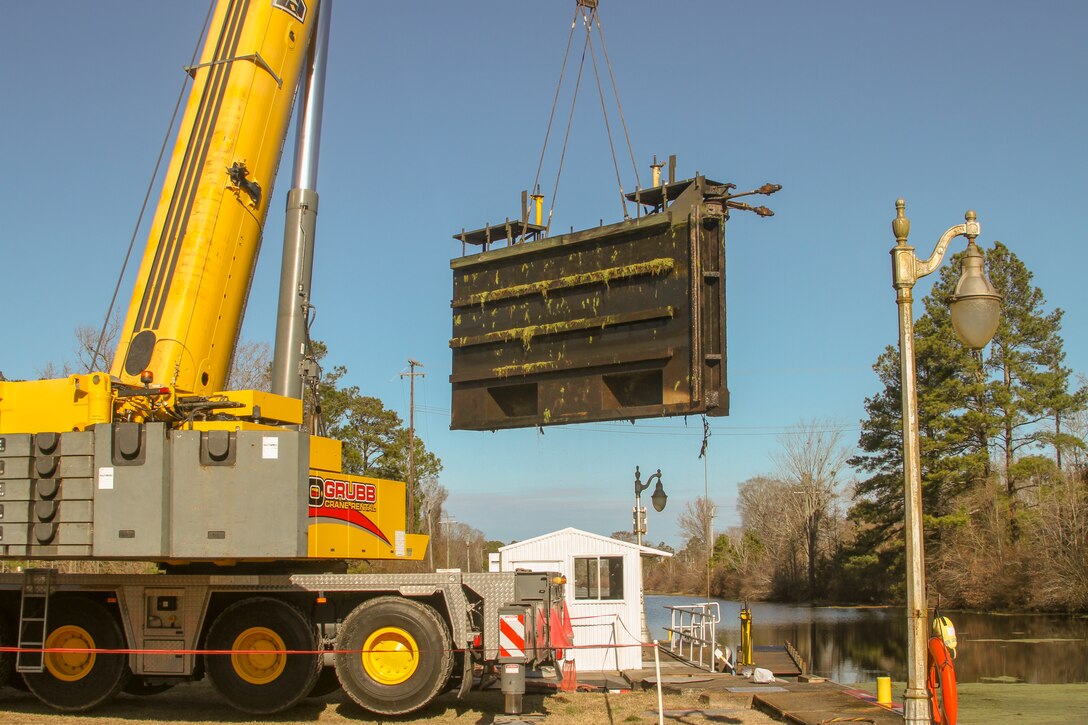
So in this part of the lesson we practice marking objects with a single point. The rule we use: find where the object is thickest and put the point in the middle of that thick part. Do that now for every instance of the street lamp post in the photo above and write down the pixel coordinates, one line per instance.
(976, 308)
(658, 499)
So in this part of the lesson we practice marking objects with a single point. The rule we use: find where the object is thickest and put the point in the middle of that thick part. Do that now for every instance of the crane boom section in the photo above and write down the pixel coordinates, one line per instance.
(194, 280)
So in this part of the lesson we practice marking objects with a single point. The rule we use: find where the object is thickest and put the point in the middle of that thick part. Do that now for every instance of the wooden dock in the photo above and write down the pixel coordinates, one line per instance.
(778, 660)
(824, 702)
(791, 697)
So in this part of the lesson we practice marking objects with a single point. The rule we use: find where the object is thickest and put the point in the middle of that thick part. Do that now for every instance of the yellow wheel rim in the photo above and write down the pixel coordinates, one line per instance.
(390, 656)
(69, 666)
(261, 657)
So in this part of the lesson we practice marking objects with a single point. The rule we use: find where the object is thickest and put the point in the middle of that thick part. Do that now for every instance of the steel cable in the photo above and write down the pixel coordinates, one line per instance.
(604, 107)
(147, 195)
(566, 138)
(551, 117)
(619, 105)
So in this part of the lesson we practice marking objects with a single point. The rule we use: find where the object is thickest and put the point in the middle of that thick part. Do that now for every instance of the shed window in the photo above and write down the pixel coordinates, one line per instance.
(598, 577)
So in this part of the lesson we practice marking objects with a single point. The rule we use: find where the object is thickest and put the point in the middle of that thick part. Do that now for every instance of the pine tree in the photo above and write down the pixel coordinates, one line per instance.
(374, 438)
(1012, 401)
(953, 454)
(1029, 384)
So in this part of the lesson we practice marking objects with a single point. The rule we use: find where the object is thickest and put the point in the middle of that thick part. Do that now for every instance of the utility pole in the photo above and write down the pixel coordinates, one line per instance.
(411, 375)
(447, 523)
(430, 533)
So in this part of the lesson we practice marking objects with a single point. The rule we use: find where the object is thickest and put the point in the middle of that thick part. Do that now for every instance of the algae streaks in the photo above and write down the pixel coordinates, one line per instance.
(527, 333)
(654, 267)
(524, 369)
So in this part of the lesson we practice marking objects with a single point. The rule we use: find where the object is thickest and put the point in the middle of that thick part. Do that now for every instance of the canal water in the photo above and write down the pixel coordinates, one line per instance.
(858, 644)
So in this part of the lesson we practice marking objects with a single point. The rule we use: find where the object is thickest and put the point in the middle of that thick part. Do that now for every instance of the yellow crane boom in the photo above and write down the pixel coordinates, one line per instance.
(163, 452)
(193, 283)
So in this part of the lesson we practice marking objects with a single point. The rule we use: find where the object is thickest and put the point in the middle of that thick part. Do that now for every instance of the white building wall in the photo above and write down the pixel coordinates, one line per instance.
(614, 624)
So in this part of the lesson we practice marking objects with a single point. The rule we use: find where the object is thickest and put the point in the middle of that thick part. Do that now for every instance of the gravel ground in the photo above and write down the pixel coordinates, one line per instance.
(198, 703)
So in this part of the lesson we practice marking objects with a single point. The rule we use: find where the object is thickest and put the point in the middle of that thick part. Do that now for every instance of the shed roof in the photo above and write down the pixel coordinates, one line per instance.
(643, 550)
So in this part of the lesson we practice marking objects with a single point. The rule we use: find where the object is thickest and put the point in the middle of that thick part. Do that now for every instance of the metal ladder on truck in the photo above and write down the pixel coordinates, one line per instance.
(33, 616)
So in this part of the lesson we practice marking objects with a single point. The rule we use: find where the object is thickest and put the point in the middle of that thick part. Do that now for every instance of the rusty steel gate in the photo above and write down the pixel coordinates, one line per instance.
(617, 322)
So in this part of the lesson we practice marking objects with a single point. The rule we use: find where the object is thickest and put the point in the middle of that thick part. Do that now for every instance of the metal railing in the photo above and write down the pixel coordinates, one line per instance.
(693, 633)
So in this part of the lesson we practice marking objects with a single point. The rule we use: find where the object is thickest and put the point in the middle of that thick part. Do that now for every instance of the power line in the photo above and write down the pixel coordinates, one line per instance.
(625, 428)
(663, 431)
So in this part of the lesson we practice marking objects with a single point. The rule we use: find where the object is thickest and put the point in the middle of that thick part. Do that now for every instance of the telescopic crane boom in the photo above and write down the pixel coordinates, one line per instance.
(192, 286)
(179, 469)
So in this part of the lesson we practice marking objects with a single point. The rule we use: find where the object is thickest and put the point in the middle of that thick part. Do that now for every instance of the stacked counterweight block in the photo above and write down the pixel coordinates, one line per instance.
(145, 491)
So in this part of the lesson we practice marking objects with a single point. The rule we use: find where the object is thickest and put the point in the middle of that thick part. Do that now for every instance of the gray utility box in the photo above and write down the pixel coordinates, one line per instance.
(143, 491)
(617, 322)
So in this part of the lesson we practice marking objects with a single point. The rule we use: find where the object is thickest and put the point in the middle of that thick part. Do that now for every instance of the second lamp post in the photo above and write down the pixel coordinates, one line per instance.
(658, 499)
(976, 309)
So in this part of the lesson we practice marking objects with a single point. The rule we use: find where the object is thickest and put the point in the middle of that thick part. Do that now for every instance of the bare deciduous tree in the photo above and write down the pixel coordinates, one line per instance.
(87, 341)
(761, 501)
(1061, 545)
(432, 499)
(90, 339)
(251, 368)
(696, 523)
(811, 462)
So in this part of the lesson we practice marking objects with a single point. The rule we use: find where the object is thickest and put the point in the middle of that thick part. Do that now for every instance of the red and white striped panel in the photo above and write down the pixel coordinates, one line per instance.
(511, 635)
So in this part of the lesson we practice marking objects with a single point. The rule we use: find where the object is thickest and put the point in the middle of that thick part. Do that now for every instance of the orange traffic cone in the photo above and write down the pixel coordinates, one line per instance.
(570, 677)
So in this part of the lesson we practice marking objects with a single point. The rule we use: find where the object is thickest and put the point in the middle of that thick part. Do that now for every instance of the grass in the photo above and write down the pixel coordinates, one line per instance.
(1005, 704)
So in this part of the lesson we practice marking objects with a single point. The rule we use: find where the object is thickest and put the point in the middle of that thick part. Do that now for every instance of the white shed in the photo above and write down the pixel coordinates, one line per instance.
(604, 591)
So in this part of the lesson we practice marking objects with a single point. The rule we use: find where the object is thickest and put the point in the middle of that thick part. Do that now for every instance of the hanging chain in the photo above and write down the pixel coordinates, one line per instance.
(706, 438)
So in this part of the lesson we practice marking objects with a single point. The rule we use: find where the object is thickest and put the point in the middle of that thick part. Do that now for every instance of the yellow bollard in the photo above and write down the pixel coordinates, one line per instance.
(538, 209)
(884, 691)
(745, 655)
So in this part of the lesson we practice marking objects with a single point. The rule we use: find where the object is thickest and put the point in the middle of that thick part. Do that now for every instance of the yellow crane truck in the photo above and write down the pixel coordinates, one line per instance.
(248, 515)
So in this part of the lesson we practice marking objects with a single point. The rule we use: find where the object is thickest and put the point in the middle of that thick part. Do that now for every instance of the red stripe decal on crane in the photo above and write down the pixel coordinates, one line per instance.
(511, 635)
(357, 519)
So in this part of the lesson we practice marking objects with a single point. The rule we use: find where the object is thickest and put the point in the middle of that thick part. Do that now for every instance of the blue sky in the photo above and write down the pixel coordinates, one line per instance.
(435, 115)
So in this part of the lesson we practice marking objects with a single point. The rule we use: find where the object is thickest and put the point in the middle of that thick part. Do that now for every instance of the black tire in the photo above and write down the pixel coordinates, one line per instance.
(405, 682)
(263, 684)
(7, 639)
(73, 682)
(327, 683)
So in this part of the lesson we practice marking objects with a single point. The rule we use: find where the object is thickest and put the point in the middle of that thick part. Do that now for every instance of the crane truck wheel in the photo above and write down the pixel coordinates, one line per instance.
(79, 680)
(7, 639)
(258, 676)
(394, 655)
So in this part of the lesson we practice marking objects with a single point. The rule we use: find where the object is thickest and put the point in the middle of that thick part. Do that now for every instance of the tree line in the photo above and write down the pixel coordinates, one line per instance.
(1004, 479)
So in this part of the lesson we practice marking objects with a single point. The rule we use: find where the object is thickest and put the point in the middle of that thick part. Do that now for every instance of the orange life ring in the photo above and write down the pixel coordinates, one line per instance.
(945, 704)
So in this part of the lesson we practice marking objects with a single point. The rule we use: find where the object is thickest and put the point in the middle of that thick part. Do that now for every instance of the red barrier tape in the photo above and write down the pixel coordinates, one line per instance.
(99, 650)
